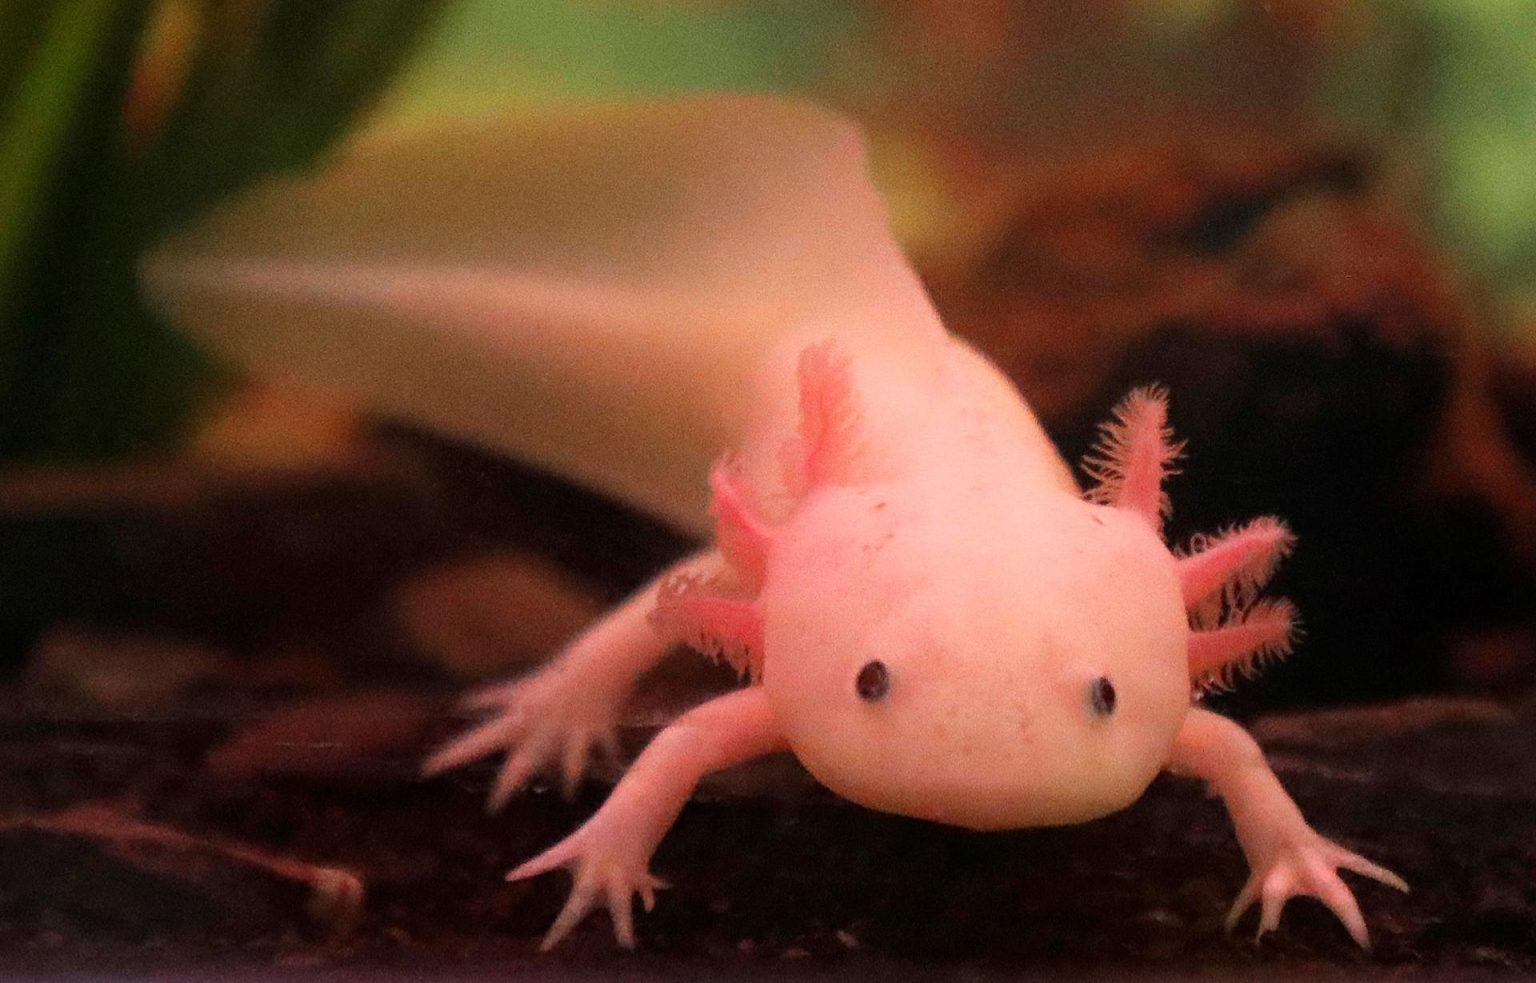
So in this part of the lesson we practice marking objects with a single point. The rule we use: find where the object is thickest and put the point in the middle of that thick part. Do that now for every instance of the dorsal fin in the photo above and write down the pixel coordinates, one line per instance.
(827, 443)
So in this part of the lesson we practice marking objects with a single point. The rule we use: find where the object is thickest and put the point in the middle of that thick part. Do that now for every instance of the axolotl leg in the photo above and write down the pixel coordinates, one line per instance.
(708, 604)
(571, 705)
(1233, 632)
(1287, 857)
(610, 854)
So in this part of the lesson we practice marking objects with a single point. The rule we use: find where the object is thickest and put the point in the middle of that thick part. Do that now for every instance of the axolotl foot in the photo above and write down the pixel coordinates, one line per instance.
(1308, 864)
(551, 716)
(1288, 857)
(561, 713)
(606, 869)
(609, 856)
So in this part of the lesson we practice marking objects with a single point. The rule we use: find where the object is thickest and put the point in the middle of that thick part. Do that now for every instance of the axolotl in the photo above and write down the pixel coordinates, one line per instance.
(930, 613)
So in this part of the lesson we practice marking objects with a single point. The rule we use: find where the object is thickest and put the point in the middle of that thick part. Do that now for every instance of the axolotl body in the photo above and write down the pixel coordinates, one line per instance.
(930, 613)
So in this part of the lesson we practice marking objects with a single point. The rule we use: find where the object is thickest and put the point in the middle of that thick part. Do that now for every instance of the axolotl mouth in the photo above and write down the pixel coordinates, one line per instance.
(1041, 682)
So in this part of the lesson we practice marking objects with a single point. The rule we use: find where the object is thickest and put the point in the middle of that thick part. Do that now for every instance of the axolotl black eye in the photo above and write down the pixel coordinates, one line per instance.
(873, 681)
(1101, 696)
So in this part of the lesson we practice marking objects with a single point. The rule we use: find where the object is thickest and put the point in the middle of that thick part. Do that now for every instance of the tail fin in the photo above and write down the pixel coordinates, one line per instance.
(589, 290)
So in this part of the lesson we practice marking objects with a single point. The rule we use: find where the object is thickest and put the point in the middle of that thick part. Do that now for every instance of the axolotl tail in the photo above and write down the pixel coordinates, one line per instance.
(592, 289)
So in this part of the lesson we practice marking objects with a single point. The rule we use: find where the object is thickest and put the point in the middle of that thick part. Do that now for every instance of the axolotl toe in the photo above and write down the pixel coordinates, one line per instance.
(937, 623)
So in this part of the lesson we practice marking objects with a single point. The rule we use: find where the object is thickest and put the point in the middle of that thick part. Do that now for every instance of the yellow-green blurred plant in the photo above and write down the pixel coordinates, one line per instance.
(119, 119)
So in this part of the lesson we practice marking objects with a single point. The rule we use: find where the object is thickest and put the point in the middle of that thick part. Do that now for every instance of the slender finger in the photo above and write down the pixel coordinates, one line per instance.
(621, 908)
(1245, 899)
(1337, 896)
(556, 856)
(1276, 892)
(485, 739)
(489, 697)
(1359, 865)
(1269, 917)
(516, 771)
(573, 763)
(647, 889)
(576, 908)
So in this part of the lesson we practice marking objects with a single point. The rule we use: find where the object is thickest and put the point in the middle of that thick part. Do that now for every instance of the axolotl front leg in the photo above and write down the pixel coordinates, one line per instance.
(715, 608)
(559, 714)
(610, 854)
(1286, 855)
(1235, 631)
(694, 604)
(572, 704)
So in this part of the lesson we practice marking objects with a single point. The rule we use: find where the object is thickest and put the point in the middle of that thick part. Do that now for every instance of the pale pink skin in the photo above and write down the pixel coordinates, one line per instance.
(595, 290)
(901, 504)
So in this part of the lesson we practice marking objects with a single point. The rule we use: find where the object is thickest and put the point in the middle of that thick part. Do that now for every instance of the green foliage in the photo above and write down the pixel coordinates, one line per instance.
(1444, 86)
(1480, 118)
(46, 105)
(490, 54)
(1448, 90)
(258, 86)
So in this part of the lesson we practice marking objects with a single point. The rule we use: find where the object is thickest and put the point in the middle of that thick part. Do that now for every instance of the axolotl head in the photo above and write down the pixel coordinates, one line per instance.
(987, 653)
(983, 666)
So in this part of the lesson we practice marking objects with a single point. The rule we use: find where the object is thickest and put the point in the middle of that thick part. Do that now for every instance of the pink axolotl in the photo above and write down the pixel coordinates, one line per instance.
(932, 615)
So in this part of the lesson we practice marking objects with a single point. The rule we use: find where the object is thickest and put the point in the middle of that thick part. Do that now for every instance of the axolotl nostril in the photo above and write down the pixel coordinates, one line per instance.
(930, 613)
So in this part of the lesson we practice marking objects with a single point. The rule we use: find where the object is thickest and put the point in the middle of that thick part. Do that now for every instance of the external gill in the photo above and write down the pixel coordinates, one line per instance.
(701, 614)
(1245, 644)
(718, 615)
(826, 446)
(741, 535)
(1135, 452)
(1233, 632)
(1238, 561)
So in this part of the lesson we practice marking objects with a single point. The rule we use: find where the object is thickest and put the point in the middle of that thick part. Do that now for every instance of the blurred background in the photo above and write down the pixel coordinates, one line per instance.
(1314, 220)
